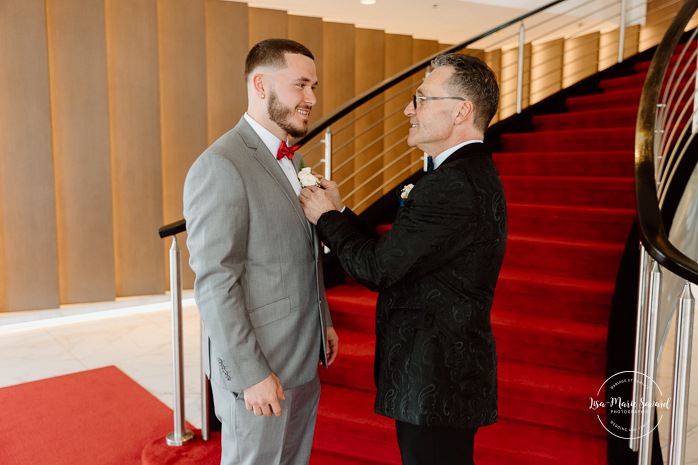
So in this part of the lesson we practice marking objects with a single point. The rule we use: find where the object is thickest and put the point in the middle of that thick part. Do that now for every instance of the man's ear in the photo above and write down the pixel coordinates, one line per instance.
(466, 110)
(258, 83)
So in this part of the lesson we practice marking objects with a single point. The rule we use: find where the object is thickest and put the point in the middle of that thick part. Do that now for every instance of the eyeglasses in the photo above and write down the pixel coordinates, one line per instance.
(424, 97)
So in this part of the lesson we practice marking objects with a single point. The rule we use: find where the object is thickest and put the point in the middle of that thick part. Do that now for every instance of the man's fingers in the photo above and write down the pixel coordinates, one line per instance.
(275, 409)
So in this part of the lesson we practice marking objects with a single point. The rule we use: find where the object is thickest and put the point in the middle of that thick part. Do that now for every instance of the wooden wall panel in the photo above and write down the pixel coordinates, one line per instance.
(398, 56)
(183, 104)
(338, 75)
(546, 69)
(28, 255)
(509, 80)
(136, 162)
(608, 46)
(659, 16)
(581, 58)
(368, 71)
(226, 49)
(77, 67)
(266, 24)
(308, 31)
(421, 49)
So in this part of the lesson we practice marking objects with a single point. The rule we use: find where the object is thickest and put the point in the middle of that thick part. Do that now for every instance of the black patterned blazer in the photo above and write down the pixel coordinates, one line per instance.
(435, 271)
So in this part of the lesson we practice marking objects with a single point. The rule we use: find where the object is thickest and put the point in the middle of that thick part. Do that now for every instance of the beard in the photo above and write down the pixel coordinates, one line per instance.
(282, 116)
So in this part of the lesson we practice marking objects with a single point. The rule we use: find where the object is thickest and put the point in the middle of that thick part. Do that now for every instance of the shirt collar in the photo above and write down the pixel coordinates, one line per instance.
(440, 158)
(270, 140)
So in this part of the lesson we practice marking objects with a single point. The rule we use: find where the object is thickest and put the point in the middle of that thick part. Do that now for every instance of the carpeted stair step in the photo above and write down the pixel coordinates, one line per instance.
(347, 424)
(570, 191)
(570, 140)
(596, 260)
(588, 119)
(609, 163)
(353, 307)
(611, 100)
(581, 299)
(549, 396)
(549, 341)
(636, 80)
(645, 65)
(574, 223)
(334, 457)
(578, 298)
(543, 340)
(606, 100)
(510, 442)
(354, 368)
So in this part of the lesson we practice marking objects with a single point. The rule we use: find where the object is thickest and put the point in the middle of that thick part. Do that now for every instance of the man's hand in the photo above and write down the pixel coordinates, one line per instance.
(332, 345)
(318, 200)
(263, 398)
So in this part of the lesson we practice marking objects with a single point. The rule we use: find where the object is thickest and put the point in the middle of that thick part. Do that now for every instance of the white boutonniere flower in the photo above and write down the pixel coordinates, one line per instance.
(404, 193)
(306, 178)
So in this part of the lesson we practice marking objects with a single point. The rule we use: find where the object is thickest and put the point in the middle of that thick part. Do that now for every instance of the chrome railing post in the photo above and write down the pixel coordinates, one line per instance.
(180, 435)
(647, 404)
(682, 376)
(621, 31)
(328, 153)
(640, 347)
(520, 68)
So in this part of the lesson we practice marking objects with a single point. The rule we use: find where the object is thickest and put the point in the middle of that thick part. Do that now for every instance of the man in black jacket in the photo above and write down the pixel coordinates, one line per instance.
(435, 269)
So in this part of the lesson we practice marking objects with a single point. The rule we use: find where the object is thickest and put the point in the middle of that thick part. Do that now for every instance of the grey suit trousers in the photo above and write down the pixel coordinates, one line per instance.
(259, 440)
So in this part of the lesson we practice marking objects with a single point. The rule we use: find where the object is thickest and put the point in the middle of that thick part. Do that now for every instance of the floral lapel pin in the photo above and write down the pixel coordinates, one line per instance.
(405, 193)
(306, 178)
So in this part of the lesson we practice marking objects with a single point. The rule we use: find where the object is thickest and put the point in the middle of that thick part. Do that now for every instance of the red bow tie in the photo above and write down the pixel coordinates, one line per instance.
(286, 151)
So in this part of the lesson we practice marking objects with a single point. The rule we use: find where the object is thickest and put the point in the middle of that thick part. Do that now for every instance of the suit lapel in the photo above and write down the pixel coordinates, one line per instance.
(261, 153)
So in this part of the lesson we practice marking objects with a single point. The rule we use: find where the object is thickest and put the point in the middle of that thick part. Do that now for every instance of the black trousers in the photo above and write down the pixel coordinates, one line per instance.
(424, 445)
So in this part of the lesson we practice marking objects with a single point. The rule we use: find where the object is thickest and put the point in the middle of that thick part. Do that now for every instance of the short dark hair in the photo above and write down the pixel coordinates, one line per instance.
(474, 80)
(271, 52)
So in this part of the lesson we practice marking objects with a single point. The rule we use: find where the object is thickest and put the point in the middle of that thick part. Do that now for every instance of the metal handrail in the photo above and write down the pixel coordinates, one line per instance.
(547, 23)
(659, 152)
(652, 232)
(388, 83)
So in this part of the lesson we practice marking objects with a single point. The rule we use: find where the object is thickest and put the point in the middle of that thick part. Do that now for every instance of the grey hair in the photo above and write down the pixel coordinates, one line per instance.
(475, 81)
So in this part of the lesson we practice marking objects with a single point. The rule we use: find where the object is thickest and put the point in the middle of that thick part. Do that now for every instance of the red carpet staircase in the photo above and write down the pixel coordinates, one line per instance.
(571, 203)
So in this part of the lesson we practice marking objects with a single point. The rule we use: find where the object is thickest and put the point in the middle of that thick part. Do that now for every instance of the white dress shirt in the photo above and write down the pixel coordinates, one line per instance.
(273, 143)
(440, 158)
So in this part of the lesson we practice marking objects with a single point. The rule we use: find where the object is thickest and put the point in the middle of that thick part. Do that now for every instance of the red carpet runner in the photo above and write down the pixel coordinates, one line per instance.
(570, 194)
(94, 417)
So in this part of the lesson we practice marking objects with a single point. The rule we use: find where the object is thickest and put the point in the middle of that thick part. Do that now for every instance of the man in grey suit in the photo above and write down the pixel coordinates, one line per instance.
(258, 268)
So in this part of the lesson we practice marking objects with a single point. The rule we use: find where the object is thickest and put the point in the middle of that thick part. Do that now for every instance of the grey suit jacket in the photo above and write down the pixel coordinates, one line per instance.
(258, 270)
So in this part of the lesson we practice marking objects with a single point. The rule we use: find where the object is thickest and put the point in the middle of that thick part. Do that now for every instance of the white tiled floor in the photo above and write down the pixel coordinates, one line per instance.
(136, 336)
